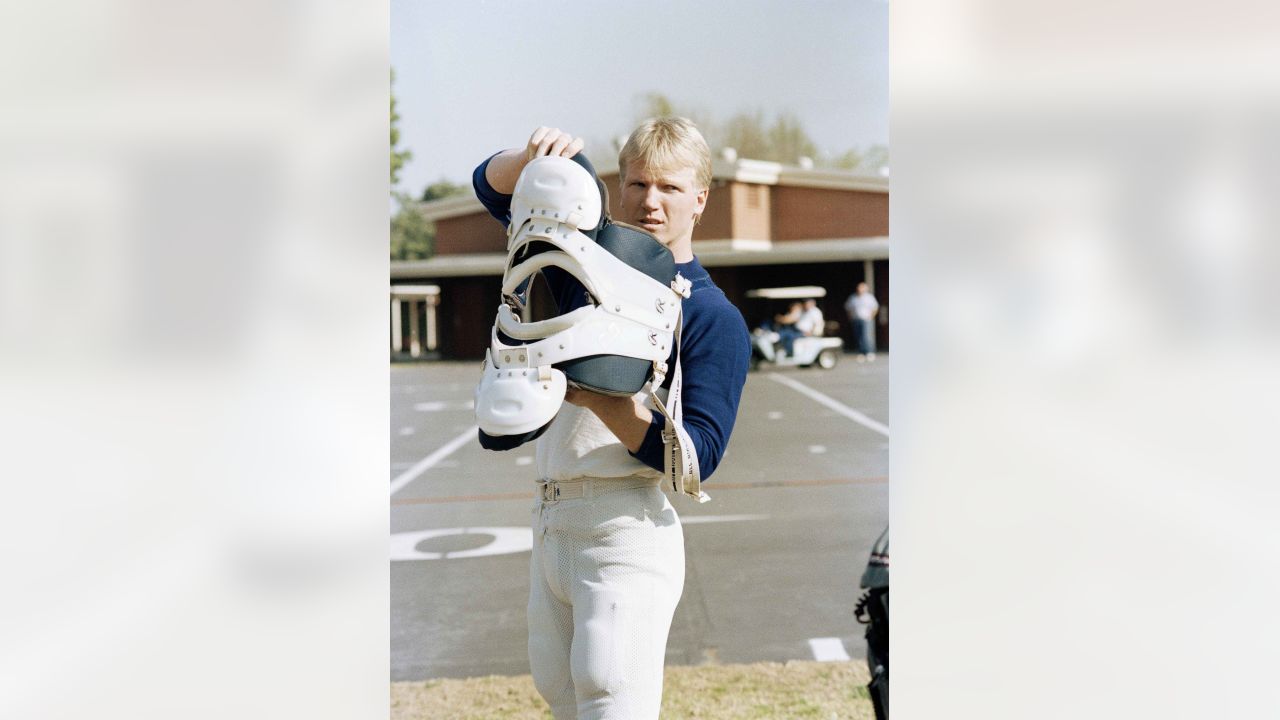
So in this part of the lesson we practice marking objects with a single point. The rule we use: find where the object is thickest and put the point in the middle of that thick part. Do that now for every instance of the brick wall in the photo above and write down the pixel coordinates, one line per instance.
(471, 233)
(807, 213)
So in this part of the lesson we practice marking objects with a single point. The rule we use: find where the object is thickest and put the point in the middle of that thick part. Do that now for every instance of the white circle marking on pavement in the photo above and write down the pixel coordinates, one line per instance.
(506, 540)
(438, 405)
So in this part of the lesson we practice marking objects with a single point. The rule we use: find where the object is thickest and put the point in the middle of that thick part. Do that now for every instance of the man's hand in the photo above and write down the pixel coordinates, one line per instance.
(504, 169)
(627, 419)
(552, 142)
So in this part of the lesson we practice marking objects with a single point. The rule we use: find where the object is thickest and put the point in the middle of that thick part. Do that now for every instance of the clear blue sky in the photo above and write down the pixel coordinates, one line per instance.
(477, 76)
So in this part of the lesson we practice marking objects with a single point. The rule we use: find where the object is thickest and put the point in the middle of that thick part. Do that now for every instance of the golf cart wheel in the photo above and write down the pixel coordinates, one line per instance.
(827, 359)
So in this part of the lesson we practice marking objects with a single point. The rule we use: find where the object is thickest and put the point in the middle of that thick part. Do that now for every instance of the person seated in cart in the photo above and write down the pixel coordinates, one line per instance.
(811, 322)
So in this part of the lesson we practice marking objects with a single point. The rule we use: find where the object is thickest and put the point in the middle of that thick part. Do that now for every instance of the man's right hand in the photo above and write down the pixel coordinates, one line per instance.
(505, 167)
(552, 141)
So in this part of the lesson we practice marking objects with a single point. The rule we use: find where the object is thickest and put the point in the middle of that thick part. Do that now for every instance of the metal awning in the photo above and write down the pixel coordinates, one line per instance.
(798, 292)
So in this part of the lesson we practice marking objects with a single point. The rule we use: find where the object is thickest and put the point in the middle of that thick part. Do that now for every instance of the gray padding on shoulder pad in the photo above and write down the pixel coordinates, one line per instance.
(639, 249)
(617, 374)
(608, 374)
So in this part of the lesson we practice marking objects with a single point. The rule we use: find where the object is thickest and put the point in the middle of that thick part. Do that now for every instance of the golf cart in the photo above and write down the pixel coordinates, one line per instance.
(808, 350)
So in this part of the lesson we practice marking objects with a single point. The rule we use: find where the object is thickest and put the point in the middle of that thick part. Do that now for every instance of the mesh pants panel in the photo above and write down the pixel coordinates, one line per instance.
(606, 575)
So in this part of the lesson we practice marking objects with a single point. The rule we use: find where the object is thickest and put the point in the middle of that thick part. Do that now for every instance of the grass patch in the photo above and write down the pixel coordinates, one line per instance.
(760, 691)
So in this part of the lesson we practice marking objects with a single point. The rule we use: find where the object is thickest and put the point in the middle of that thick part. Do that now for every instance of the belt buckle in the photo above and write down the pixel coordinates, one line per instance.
(550, 491)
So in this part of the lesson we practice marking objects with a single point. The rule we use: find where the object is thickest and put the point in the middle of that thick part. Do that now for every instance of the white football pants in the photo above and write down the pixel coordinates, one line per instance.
(606, 574)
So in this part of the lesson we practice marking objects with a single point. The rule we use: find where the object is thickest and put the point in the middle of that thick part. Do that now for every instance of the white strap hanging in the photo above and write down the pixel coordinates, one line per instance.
(680, 458)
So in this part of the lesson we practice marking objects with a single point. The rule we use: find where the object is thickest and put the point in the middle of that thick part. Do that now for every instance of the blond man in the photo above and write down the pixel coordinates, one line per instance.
(607, 568)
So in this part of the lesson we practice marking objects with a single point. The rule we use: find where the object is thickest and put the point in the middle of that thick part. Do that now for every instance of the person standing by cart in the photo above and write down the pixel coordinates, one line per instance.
(863, 307)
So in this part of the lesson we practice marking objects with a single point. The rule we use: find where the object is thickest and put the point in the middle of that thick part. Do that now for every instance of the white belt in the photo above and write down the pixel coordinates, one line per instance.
(554, 490)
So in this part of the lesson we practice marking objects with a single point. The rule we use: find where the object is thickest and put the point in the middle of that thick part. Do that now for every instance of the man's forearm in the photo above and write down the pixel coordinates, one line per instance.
(627, 419)
(504, 170)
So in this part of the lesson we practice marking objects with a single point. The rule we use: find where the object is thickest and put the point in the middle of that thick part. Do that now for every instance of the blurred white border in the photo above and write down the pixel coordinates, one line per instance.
(193, 273)
(1084, 359)
(193, 367)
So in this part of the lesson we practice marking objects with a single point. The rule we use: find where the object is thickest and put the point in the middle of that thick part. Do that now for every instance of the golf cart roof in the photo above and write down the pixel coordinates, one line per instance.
(799, 292)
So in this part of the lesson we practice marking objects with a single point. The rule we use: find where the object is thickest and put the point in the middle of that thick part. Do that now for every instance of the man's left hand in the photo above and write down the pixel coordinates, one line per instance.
(627, 419)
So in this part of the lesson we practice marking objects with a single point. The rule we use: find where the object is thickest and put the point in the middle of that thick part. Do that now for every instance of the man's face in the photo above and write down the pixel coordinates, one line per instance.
(664, 203)
(862, 288)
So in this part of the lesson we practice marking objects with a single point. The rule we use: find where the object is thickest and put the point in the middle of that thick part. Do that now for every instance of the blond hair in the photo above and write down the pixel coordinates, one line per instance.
(665, 144)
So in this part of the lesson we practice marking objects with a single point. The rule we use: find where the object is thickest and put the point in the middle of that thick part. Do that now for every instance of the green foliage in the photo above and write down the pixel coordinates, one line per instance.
(398, 157)
(876, 157)
(413, 237)
(849, 160)
(868, 161)
(745, 133)
(788, 140)
(658, 105)
(753, 136)
(784, 141)
(442, 188)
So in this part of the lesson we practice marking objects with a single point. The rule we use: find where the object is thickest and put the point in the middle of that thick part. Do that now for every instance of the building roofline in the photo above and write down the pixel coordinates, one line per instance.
(745, 170)
(711, 253)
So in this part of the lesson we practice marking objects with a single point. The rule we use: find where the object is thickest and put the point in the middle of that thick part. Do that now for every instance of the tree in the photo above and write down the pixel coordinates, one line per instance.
(442, 188)
(875, 159)
(788, 141)
(784, 141)
(398, 157)
(745, 133)
(750, 134)
(413, 237)
(657, 105)
(849, 160)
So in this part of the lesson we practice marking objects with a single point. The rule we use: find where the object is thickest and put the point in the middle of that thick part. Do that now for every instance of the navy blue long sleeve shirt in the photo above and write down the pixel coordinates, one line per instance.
(715, 351)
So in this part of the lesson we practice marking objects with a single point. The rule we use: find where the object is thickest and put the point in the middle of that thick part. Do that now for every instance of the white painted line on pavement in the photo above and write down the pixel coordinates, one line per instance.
(431, 460)
(828, 649)
(834, 404)
(404, 546)
(695, 519)
(438, 405)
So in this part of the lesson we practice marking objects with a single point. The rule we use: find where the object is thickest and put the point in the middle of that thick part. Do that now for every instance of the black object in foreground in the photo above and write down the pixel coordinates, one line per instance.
(873, 611)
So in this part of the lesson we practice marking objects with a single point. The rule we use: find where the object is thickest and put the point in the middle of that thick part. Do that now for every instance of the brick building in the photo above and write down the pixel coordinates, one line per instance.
(765, 225)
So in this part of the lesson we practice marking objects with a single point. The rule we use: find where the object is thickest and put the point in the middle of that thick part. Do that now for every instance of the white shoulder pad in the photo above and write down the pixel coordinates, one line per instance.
(517, 400)
(558, 189)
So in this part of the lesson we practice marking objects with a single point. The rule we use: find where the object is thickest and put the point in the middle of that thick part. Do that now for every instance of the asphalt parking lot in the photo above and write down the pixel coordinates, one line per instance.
(773, 561)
